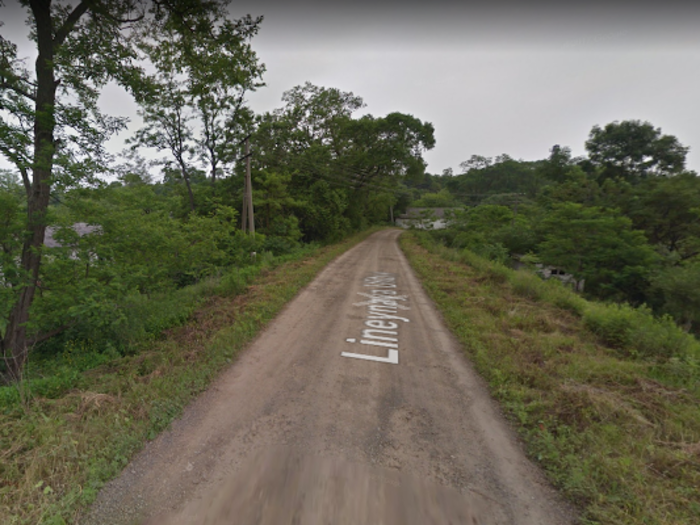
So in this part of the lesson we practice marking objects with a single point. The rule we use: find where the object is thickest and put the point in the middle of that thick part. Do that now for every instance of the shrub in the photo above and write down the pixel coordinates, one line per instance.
(527, 284)
(637, 332)
(236, 280)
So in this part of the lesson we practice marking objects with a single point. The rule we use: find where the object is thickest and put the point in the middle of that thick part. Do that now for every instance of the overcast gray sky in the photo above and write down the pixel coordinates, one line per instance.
(497, 77)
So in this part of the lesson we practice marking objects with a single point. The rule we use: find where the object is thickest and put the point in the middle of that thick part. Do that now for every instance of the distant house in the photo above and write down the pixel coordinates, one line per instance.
(549, 272)
(425, 218)
(81, 228)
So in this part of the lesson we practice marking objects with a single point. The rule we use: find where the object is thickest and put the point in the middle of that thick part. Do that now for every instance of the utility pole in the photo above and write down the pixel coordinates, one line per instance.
(244, 209)
(391, 212)
(249, 188)
(247, 217)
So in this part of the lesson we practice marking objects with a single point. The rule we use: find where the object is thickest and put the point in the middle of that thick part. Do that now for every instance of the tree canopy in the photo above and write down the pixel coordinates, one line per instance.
(634, 150)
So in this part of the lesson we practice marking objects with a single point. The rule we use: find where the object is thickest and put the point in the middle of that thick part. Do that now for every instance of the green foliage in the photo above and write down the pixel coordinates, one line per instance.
(668, 211)
(338, 173)
(625, 222)
(599, 246)
(126, 278)
(11, 229)
(201, 77)
(495, 229)
(577, 187)
(613, 428)
(58, 453)
(52, 129)
(637, 332)
(634, 150)
(679, 290)
(441, 199)
(486, 176)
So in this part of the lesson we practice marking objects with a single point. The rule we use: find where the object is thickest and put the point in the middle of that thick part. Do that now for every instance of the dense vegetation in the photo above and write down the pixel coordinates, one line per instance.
(70, 432)
(606, 397)
(127, 235)
(101, 254)
(625, 220)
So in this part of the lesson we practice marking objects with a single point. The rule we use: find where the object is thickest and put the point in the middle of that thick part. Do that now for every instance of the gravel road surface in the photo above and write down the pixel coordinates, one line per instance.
(354, 406)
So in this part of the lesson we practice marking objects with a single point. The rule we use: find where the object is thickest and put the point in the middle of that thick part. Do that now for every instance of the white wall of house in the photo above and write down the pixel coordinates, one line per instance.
(419, 224)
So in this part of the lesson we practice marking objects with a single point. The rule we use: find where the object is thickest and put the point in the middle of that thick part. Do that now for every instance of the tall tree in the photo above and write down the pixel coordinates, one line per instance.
(194, 104)
(167, 123)
(315, 137)
(222, 69)
(79, 48)
(599, 246)
(634, 150)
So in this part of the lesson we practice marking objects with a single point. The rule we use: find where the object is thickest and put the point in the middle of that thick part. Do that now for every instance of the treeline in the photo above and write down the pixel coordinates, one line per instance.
(625, 219)
(129, 235)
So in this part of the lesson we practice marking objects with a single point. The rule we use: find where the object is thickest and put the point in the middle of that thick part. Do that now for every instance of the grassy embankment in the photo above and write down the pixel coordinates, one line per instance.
(58, 447)
(606, 397)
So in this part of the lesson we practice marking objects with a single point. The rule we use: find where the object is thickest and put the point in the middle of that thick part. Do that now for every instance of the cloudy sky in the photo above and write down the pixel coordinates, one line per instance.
(497, 77)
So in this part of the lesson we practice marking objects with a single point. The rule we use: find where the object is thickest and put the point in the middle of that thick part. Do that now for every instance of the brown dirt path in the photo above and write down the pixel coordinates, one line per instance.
(294, 432)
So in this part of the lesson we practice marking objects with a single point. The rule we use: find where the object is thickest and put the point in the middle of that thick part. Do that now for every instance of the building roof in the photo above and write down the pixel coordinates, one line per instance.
(81, 228)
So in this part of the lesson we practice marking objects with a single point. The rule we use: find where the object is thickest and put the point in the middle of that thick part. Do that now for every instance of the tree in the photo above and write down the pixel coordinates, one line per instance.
(634, 150)
(476, 162)
(271, 196)
(679, 287)
(501, 175)
(79, 49)
(353, 165)
(493, 231)
(386, 149)
(441, 199)
(167, 124)
(11, 226)
(221, 68)
(599, 246)
(668, 210)
(577, 186)
(558, 165)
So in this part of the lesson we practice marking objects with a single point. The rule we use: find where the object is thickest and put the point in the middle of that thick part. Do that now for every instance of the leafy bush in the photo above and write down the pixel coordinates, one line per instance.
(527, 284)
(280, 245)
(634, 331)
(679, 287)
(493, 251)
(236, 280)
(637, 332)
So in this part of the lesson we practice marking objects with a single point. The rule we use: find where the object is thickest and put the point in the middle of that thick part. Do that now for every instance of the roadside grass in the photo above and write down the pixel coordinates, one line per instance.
(606, 398)
(58, 448)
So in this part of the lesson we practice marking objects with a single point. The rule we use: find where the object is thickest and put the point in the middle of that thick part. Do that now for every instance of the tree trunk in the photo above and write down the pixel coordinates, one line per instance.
(14, 343)
(186, 176)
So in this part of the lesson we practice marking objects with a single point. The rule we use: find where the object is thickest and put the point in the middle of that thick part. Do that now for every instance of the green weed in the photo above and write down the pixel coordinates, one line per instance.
(81, 425)
(616, 427)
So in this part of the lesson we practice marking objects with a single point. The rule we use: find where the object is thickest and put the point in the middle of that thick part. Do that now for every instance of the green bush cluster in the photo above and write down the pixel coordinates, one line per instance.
(57, 365)
(637, 332)
(634, 331)
(605, 399)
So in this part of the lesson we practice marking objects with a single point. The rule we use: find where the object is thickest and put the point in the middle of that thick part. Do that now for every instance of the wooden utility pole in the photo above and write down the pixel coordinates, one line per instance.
(391, 212)
(244, 209)
(249, 188)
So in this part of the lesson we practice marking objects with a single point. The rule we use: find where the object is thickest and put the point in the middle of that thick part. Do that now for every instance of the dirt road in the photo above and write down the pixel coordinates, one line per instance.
(354, 406)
